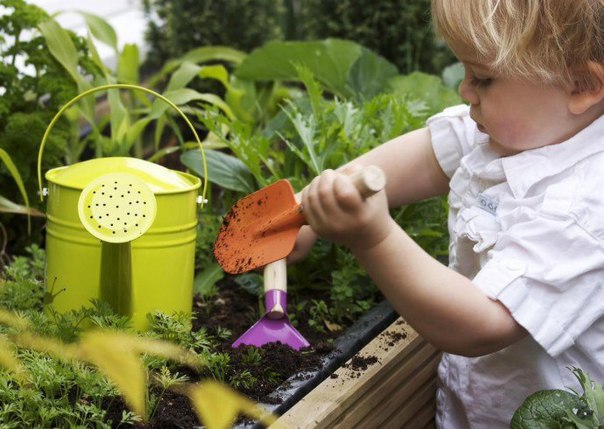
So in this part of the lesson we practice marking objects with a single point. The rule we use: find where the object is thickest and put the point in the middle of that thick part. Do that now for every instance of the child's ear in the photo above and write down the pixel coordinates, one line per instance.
(588, 89)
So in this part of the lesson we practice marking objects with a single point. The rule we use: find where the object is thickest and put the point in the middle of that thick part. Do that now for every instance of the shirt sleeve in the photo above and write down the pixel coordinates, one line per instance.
(548, 271)
(454, 134)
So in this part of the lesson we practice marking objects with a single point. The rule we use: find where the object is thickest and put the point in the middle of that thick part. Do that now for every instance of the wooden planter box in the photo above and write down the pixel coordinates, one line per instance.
(397, 390)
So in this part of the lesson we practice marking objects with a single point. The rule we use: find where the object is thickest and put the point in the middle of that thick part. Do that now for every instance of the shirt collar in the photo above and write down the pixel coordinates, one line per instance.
(529, 167)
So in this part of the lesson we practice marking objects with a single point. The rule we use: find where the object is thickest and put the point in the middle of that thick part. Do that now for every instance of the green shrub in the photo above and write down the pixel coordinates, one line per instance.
(177, 26)
(399, 30)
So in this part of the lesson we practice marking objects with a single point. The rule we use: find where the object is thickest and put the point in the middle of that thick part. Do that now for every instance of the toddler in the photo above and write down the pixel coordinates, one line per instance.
(523, 164)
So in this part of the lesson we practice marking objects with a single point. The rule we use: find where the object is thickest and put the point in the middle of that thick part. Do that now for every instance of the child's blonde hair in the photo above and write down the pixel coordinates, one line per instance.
(548, 40)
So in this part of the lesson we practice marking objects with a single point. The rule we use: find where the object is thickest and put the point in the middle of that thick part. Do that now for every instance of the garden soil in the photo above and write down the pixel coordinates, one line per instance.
(237, 310)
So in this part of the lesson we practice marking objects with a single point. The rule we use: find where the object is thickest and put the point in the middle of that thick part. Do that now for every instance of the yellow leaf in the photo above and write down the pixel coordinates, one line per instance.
(46, 345)
(217, 406)
(331, 326)
(10, 362)
(11, 319)
(114, 355)
(167, 350)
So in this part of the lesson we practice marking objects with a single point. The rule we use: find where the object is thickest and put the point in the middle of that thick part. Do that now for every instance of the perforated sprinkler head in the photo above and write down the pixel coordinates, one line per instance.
(117, 207)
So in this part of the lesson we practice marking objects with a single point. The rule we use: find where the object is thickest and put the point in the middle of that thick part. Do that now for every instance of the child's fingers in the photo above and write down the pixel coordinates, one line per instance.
(347, 195)
(311, 201)
(325, 191)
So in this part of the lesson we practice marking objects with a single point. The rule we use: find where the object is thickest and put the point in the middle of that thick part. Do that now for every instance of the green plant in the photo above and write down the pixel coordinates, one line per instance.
(252, 356)
(124, 130)
(34, 86)
(177, 328)
(563, 409)
(243, 380)
(218, 363)
(21, 284)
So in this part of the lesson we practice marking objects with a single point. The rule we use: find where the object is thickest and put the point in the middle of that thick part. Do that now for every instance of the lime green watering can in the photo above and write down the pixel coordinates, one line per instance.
(121, 230)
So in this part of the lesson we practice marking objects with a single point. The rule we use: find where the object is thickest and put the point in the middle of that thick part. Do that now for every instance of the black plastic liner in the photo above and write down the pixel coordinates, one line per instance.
(345, 347)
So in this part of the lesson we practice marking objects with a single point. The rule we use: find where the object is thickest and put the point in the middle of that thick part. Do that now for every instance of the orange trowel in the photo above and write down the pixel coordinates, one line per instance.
(262, 227)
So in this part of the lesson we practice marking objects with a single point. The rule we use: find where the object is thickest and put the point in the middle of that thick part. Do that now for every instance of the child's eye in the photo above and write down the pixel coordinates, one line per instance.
(480, 82)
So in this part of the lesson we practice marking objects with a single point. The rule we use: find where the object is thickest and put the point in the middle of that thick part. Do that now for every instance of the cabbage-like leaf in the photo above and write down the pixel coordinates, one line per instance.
(343, 67)
(546, 409)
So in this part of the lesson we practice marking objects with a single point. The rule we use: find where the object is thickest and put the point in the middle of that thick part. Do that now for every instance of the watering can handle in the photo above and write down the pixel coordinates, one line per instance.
(121, 86)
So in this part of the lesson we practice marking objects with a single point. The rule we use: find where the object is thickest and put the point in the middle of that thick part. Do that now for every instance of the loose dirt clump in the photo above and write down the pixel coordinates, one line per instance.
(360, 363)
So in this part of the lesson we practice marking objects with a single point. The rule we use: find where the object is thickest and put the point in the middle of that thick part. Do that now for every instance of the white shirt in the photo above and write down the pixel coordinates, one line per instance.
(528, 229)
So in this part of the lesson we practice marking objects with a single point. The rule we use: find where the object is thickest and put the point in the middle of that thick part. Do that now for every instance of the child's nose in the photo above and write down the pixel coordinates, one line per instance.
(467, 91)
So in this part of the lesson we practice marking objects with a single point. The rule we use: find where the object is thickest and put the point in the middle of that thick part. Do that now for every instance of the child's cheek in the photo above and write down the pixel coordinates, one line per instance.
(510, 129)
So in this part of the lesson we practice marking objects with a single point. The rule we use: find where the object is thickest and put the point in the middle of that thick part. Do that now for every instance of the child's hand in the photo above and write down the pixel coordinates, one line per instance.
(336, 211)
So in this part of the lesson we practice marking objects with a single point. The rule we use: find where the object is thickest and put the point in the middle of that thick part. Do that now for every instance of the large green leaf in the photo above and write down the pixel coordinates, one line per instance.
(224, 170)
(14, 172)
(120, 122)
(7, 206)
(100, 29)
(94, 55)
(369, 74)
(453, 75)
(427, 88)
(332, 61)
(183, 75)
(64, 51)
(200, 55)
(128, 65)
(61, 46)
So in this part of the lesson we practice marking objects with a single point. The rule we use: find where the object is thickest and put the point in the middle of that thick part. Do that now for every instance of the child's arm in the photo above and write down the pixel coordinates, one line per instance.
(444, 307)
(412, 173)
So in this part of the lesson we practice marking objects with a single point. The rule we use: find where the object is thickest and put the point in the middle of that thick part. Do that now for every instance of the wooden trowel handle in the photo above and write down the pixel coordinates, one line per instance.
(369, 180)
(275, 279)
(275, 276)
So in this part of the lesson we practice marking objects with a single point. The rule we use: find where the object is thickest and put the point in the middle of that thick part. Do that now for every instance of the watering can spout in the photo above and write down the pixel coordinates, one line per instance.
(117, 208)
(116, 276)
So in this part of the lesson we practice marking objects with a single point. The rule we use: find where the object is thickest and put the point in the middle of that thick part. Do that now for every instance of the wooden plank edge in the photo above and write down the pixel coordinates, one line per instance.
(396, 386)
(329, 400)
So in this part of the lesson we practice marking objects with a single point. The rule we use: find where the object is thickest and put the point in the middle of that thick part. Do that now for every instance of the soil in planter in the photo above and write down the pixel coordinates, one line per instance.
(237, 310)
